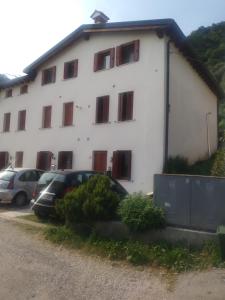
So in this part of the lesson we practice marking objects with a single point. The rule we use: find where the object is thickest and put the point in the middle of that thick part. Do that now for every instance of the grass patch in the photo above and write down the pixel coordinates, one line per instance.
(31, 217)
(174, 258)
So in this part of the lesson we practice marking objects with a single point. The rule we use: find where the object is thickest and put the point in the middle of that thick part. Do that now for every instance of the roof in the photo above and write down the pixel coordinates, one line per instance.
(162, 26)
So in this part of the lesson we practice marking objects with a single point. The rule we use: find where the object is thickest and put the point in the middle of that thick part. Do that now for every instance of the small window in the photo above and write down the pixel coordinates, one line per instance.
(29, 176)
(49, 75)
(121, 168)
(125, 109)
(68, 114)
(44, 159)
(6, 122)
(65, 160)
(102, 109)
(99, 161)
(22, 120)
(8, 93)
(4, 160)
(70, 69)
(24, 89)
(19, 159)
(104, 60)
(127, 53)
(46, 117)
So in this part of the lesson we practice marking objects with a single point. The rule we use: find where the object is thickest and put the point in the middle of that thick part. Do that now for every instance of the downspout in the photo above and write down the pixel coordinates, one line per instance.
(167, 103)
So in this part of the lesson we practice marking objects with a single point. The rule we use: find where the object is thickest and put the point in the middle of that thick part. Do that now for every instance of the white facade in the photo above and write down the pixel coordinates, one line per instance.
(144, 135)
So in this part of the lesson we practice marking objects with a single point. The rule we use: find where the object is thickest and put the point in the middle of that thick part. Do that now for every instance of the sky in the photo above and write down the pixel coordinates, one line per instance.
(28, 28)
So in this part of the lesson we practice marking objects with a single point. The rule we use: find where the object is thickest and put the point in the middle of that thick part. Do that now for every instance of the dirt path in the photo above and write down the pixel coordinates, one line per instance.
(33, 269)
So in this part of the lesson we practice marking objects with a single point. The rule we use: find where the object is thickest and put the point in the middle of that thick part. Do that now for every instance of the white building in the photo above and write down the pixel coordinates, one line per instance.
(124, 96)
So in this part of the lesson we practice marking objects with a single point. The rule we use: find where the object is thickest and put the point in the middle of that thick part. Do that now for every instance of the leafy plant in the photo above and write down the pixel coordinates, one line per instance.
(177, 165)
(139, 213)
(218, 168)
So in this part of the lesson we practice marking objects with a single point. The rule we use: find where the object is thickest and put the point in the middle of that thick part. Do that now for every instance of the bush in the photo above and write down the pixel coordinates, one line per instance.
(218, 168)
(139, 213)
(177, 165)
(92, 201)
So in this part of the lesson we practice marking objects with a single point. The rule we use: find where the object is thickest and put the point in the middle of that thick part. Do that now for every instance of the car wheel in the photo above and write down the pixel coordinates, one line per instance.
(41, 215)
(20, 199)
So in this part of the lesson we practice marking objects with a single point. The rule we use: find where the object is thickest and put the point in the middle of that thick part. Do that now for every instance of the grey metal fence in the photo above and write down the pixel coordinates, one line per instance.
(196, 202)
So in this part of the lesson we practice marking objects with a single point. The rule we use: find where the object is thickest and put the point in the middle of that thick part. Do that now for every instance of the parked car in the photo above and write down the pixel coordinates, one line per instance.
(16, 185)
(62, 183)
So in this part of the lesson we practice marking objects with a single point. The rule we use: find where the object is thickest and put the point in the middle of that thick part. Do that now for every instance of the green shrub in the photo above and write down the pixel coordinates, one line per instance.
(139, 213)
(177, 165)
(92, 201)
(218, 168)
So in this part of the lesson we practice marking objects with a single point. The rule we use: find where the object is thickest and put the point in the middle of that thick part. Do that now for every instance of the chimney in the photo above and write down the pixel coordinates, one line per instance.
(99, 17)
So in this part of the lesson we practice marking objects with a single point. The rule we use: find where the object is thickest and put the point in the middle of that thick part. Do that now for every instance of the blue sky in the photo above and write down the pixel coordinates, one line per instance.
(30, 27)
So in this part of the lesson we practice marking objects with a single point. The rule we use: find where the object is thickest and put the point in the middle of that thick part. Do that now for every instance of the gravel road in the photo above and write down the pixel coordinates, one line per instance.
(31, 268)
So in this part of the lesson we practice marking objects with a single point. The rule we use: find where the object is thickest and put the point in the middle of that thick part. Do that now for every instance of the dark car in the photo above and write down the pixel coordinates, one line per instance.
(62, 183)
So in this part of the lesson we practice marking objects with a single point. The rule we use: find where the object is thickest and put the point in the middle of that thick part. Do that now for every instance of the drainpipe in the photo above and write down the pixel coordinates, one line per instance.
(167, 102)
(207, 133)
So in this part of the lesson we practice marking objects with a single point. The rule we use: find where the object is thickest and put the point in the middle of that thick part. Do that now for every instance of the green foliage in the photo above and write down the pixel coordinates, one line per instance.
(202, 167)
(138, 212)
(218, 168)
(175, 258)
(92, 201)
(177, 165)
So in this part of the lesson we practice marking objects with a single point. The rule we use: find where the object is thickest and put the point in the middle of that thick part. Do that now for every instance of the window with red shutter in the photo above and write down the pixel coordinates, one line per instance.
(102, 109)
(4, 160)
(104, 60)
(6, 122)
(65, 160)
(19, 159)
(127, 53)
(49, 75)
(44, 159)
(100, 161)
(24, 89)
(70, 69)
(68, 114)
(47, 115)
(121, 168)
(125, 107)
(22, 120)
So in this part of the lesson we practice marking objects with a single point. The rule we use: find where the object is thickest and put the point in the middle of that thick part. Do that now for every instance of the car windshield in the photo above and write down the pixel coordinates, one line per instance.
(46, 178)
(7, 175)
(57, 185)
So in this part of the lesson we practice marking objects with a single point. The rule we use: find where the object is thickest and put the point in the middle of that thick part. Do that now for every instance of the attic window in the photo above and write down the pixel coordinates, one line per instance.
(24, 89)
(8, 93)
(127, 53)
(49, 75)
(104, 60)
(70, 69)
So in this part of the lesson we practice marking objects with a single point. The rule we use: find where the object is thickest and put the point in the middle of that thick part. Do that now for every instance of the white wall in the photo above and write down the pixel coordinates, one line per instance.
(190, 101)
(144, 135)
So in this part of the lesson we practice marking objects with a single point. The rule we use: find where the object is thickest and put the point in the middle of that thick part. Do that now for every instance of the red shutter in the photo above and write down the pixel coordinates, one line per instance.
(44, 160)
(43, 77)
(129, 105)
(6, 125)
(100, 161)
(47, 113)
(106, 109)
(118, 55)
(75, 68)
(65, 160)
(112, 57)
(4, 160)
(65, 71)
(68, 114)
(129, 156)
(22, 120)
(53, 74)
(96, 62)
(136, 50)
(120, 107)
(115, 164)
(19, 159)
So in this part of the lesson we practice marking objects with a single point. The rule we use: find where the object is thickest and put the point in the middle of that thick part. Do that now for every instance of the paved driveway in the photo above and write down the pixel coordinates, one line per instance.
(31, 268)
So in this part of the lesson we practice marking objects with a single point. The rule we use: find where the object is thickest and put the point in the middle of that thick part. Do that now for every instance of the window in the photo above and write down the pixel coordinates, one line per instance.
(21, 120)
(29, 176)
(127, 53)
(4, 160)
(46, 117)
(99, 161)
(44, 159)
(65, 160)
(70, 69)
(68, 114)
(121, 165)
(8, 93)
(19, 159)
(125, 109)
(102, 109)
(24, 89)
(104, 60)
(48, 75)
(6, 122)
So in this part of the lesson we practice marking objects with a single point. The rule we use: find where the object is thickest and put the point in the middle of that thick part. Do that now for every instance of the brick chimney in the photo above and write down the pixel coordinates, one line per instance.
(99, 17)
